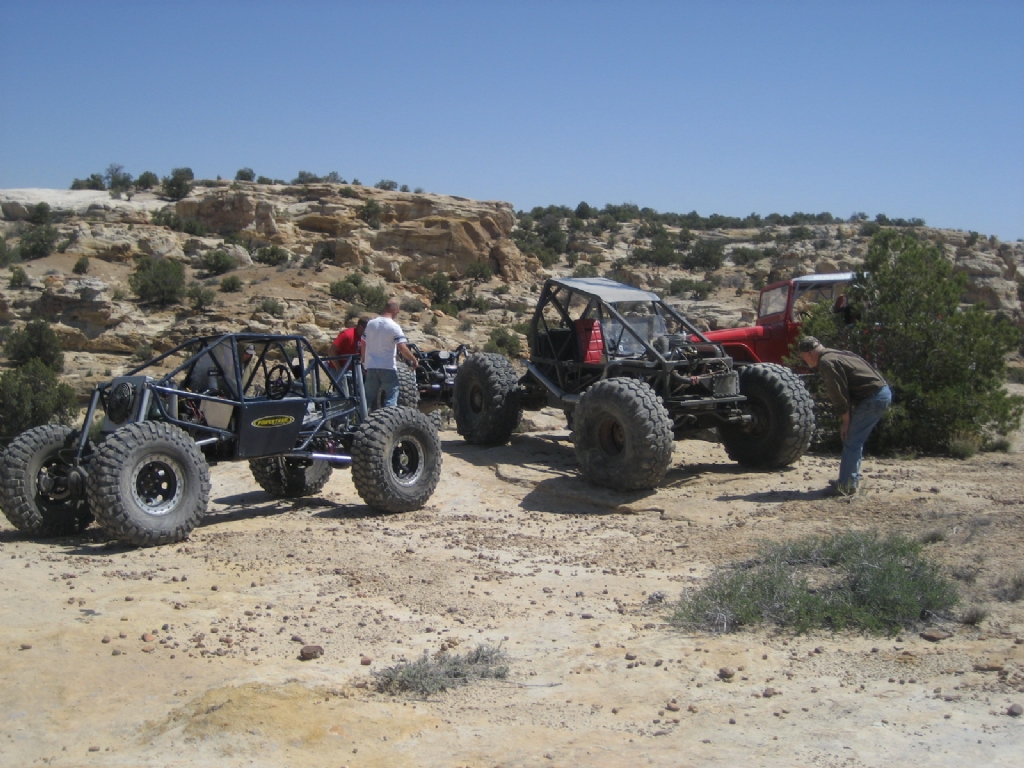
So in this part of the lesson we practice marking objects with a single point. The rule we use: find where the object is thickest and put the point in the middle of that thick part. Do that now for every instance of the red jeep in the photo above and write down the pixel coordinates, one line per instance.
(780, 313)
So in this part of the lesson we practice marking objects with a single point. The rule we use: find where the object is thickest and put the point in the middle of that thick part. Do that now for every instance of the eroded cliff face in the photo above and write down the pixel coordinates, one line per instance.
(392, 240)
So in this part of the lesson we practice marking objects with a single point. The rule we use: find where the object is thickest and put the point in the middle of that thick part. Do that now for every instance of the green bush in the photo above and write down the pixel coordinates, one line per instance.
(200, 296)
(30, 396)
(861, 580)
(118, 180)
(503, 341)
(387, 184)
(344, 290)
(706, 255)
(348, 192)
(585, 270)
(945, 364)
(245, 174)
(35, 341)
(178, 184)
(7, 256)
(440, 287)
(95, 181)
(19, 278)
(167, 217)
(273, 256)
(305, 177)
(272, 307)
(161, 281)
(217, 262)
(40, 215)
(371, 212)
(373, 298)
(147, 180)
(697, 289)
(81, 266)
(479, 270)
(231, 284)
(37, 242)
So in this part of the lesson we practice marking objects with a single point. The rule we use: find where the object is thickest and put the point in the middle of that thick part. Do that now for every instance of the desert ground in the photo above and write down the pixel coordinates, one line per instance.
(189, 654)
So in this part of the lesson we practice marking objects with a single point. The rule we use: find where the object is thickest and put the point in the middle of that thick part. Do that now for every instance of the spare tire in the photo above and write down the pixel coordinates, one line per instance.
(623, 435)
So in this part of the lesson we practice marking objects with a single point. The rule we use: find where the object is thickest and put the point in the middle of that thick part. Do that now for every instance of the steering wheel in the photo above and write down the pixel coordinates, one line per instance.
(279, 381)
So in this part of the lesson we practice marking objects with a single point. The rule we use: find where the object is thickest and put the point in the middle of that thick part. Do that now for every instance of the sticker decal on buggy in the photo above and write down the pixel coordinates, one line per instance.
(273, 421)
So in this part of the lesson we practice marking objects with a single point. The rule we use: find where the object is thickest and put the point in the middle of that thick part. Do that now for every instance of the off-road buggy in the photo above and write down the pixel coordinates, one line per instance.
(143, 473)
(632, 374)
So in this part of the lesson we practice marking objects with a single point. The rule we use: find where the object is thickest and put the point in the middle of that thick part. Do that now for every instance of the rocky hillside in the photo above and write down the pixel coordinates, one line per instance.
(322, 233)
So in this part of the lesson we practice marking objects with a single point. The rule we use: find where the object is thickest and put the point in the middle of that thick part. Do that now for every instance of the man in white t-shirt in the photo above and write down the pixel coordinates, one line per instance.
(380, 340)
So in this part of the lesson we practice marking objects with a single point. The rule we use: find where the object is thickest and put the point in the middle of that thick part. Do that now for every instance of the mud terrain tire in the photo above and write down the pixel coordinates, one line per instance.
(486, 399)
(149, 484)
(396, 460)
(783, 412)
(35, 495)
(623, 435)
(290, 478)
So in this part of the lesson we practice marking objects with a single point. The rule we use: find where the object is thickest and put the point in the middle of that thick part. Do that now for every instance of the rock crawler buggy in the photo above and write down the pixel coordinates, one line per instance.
(631, 375)
(144, 473)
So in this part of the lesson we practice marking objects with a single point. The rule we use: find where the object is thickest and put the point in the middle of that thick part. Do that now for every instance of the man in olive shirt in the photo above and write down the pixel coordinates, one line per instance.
(860, 396)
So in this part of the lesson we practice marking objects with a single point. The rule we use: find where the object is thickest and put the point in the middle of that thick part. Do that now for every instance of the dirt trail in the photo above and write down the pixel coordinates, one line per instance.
(574, 582)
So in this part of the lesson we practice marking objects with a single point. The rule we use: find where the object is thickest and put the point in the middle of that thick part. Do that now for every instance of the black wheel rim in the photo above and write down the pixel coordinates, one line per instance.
(52, 488)
(476, 399)
(761, 417)
(157, 484)
(611, 437)
(407, 460)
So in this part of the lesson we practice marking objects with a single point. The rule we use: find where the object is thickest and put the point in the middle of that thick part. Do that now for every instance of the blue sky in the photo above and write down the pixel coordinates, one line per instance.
(912, 109)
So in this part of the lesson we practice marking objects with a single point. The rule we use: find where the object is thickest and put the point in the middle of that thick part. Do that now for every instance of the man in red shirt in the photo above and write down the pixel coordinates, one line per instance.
(347, 342)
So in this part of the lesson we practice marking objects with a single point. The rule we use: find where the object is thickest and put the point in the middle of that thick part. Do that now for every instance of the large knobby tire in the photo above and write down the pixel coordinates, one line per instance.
(396, 460)
(408, 390)
(36, 496)
(290, 478)
(623, 435)
(783, 418)
(486, 399)
(149, 484)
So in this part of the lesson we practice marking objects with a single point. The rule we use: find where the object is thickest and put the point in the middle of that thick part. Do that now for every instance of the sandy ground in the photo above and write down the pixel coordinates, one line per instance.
(189, 654)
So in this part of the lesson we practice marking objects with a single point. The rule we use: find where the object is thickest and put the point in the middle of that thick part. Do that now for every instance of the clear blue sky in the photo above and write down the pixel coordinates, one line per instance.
(912, 109)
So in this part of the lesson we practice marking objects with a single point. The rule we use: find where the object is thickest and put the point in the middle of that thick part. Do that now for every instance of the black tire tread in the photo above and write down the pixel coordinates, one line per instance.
(103, 485)
(496, 377)
(18, 501)
(648, 452)
(794, 421)
(371, 459)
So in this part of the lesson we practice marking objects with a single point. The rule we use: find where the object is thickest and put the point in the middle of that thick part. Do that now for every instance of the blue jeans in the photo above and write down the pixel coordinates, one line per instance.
(862, 420)
(377, 379)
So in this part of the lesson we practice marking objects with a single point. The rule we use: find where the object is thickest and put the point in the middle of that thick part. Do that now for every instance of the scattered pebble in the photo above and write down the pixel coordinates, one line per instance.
(1015, 710)
(106, 639)
(365, 661)
(26, 646)
(310, 652)
(727, 673)
(935, 635)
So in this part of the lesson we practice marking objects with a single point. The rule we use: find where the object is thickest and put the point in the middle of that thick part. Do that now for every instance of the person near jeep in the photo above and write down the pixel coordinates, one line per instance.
(347, 342)
(860, 396)
(382, 337)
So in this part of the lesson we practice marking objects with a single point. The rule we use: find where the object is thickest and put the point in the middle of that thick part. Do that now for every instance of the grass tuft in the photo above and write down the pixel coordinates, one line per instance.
(852, 580)
(1011, 589)
(437, 674)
